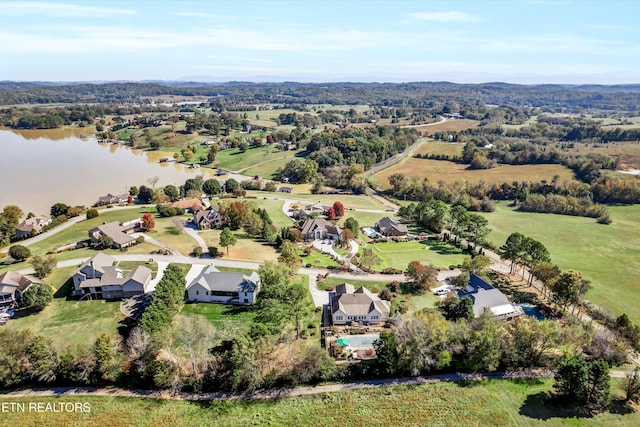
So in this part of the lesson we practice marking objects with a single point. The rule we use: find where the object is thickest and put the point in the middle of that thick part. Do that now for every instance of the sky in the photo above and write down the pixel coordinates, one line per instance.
(528, 41)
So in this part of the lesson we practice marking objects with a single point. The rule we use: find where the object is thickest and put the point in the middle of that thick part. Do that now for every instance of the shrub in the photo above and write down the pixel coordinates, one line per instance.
(19, 252)
(92, 213)
(197, 252)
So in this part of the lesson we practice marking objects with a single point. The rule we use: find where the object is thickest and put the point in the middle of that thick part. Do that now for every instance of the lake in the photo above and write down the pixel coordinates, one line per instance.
(42, 167)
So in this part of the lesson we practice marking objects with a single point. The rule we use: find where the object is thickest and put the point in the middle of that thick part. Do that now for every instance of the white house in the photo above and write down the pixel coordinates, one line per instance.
(224, 287)
(349, 305)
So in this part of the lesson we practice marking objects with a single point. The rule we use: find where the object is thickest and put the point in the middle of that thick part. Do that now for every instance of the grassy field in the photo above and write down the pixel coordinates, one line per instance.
(452, 125)
(448, 172)
(235, 160)
(223, 317)
(349, 201)
(316, 259)
(489, 403)
(245, 249)
(437, 147)
(166, 232)
(70, 322)
(269, 169)
(399, 254)
(274, 209)
(608, 255)
(366, 219)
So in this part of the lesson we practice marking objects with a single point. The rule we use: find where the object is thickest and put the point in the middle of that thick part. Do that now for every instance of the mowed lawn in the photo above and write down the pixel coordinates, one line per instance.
(430, 146)
(274, 209)
(244, 250)
(399, 254)
(171, 235)
(448, 172)
(608, 255)
(70, 322)
(233, 159)
(488, 403)
(226, 318)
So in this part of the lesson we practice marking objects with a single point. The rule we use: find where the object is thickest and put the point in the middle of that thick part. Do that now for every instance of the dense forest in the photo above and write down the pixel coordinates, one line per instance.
(416, 95)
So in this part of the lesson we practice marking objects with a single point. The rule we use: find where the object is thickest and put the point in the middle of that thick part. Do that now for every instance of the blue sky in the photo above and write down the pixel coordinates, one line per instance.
(529, 41)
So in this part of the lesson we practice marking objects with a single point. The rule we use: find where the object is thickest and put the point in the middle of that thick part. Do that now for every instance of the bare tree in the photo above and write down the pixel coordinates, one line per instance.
(153, 181)
(194, 334)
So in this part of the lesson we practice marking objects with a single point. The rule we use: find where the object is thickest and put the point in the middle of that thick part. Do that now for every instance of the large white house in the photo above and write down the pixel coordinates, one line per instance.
(360, 305)
(224, 287)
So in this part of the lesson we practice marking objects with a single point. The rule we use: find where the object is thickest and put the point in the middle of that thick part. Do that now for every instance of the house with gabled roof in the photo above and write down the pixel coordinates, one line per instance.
(31, 226)
(486, 297)
(119, 232)
(208, 219)
(224, 287)
(111, 199)
(390, 227)
(13, 285)
(100, 279)
(320, 228)
(350, 305)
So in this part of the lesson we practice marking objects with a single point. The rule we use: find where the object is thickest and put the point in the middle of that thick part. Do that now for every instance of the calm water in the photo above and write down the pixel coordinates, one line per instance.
(40, 168)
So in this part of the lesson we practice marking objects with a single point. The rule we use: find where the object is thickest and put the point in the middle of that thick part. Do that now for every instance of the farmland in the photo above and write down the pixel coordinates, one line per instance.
(608, 255)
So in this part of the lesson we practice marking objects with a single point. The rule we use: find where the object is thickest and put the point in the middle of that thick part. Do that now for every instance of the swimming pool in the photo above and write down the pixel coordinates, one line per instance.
(360, 342)
(532, 310)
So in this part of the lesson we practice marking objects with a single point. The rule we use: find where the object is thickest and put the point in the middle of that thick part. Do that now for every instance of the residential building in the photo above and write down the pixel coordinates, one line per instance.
(208, 218)
(100, 279)
(190, 205)
(13, 285)
(31, 226)
(360, 305)
(390, 227)
(224, 287)
(319, 228)
(120, 233)
(486, 297)
(110, 199)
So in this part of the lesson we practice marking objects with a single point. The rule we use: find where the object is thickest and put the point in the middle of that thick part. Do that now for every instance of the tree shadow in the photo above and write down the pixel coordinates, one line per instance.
(540, 406)
(443, 248)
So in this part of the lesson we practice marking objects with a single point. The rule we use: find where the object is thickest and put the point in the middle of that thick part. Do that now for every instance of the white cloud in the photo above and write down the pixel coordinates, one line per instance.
(451, 16)
(61, 10)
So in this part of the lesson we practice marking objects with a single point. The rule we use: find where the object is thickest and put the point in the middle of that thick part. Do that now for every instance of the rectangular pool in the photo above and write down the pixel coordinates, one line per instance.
(361, 342)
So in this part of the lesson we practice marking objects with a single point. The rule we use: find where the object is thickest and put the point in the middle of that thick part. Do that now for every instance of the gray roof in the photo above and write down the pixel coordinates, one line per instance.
(483, 295)
(387, 223)
(359, 302)
(226, 281)
(325, 225)
(100, 260)
(18, 281)
(116, 231)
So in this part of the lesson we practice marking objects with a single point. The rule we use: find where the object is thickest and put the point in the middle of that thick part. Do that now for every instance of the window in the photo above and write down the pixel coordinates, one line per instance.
(197, 292)
(338, 317)
(207, 293)
(374, 317)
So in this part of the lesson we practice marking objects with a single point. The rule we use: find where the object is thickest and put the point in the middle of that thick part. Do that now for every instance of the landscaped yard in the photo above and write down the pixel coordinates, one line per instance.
(348, 200)
(399, 254)
(487, 403)
(608, 255)
(71, 322)
(245, 249)
(274, 209)
(235, 160)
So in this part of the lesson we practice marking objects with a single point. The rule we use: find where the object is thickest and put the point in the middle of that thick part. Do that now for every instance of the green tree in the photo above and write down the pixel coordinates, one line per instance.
(19, 252)
(227, 239)
(513, 249)
(58, 209)
(567, 288)
(37, 297)
(387, 353)
(231, 185)
(599, 395)
(289, 255)
(353, 225)
(632, 386)
(572, 381)
(478, 265)
(104, 354)
(211, 187)
(92, 213)
(43, 265)
(367, 259)
(145, 194)
(172, 192)
(270, 186)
